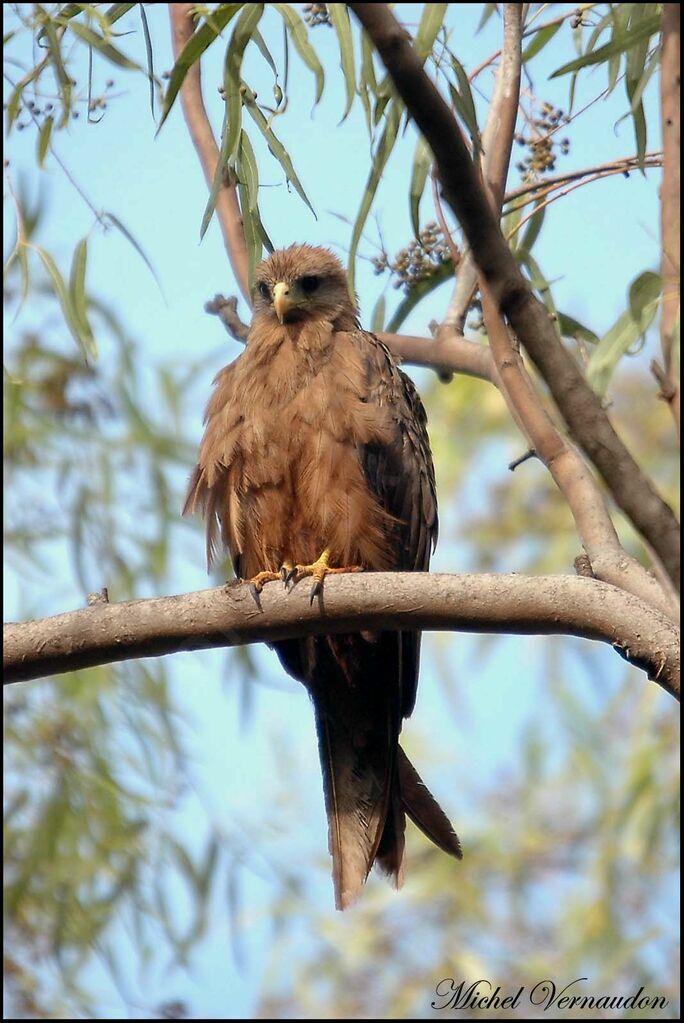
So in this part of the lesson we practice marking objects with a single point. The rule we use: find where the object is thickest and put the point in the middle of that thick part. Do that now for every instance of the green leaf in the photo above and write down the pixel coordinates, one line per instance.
(233, 86)
(378, 316)
(539, 283)
(422, 161)
(200, 40)
(63, 79)
(380, 158)
(570, 327)
(149, 54)
(534, 226)
(618, 45)
(248, 190)
(644, 299)
(463, 101)
(541, 38)
(275, 145)
(77, 294)
(300, 39)
(419, 291)
(339, 16)
(644, 294)
(431, 21)
(108, 51)
(64, 300)
(489, 9)
(116, 11)
(44, 139)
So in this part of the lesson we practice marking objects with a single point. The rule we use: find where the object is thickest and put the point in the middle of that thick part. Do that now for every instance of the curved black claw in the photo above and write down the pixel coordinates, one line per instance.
(256, 594)
(315, 591)
(289, 576)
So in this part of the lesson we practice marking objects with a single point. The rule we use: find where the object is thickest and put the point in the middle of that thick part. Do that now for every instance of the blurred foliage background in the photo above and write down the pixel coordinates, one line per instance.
(111, 884)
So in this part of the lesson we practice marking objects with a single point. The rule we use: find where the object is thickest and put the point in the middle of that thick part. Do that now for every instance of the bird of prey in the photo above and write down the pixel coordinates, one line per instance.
(316, 460)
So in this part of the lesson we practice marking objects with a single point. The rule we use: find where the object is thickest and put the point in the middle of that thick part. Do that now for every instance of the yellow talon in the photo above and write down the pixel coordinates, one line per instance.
(318, 571)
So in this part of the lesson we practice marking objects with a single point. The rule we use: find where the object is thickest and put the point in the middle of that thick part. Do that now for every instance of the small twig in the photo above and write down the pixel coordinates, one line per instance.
(226, 310)
(522, 458)
(583, 566)
(621, 166)
(581, 9)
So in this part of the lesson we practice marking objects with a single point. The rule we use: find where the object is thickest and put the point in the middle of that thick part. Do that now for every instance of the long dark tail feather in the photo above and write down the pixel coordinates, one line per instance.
(390, 855)
(355, 803)
(423, 808)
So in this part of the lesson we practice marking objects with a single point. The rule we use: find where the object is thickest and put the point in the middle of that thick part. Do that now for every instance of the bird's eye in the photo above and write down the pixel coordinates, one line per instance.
(309, 284)
(264, 290)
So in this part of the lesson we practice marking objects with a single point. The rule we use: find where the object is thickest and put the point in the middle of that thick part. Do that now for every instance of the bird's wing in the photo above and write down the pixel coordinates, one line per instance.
(211, 488)
(401, 474)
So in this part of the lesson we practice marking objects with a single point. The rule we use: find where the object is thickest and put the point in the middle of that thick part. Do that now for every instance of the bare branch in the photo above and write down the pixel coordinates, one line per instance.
(227, 616)
(609, 561)
(226, 310)
(497, 141)
(581, 408)
(577, 12)
(227, 204)
(670, 201)
(548, 184)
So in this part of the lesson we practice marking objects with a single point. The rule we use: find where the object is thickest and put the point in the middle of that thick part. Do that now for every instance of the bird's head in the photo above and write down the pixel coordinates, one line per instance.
(303, 283)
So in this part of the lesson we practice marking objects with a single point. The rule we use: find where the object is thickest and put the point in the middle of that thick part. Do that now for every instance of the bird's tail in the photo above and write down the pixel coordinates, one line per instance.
(369, 788)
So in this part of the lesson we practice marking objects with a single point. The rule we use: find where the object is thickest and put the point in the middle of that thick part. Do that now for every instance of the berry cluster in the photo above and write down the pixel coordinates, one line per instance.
(316, 14)
(418, 261)
(541, 143)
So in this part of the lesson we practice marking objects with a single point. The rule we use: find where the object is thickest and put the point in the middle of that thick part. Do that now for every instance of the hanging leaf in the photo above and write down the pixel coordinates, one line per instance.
(380, 158)
(431, 21)
(275, 145)
(200, 40)
(422, 161)
(339, 16)
(617, 46)
(541, 38)
(300, 40)
(644, 299)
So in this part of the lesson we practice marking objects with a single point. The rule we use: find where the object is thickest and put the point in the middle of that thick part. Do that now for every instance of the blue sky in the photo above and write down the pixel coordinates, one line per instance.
(155, 186)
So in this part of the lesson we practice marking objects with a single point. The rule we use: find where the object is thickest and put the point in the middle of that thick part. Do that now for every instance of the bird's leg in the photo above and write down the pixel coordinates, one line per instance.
(258, 581)
(318, 571)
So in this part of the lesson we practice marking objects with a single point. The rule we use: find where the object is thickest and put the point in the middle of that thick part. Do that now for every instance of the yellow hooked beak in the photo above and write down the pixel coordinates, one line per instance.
(283, 301)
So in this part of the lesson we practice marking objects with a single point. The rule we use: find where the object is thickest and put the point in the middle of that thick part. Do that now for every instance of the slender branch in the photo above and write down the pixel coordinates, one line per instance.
(580, 407)
(609, 561)
(497, 142)
(548, 184)
(670, 203)
(577, 12)
(228, 616)
(592, 518)
(555, 194)
(227, 203)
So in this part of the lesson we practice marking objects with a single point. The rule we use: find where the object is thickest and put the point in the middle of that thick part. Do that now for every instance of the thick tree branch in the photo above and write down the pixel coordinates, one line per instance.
(227, 204)
(670, 205)
(228, 616)
(579, 405)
